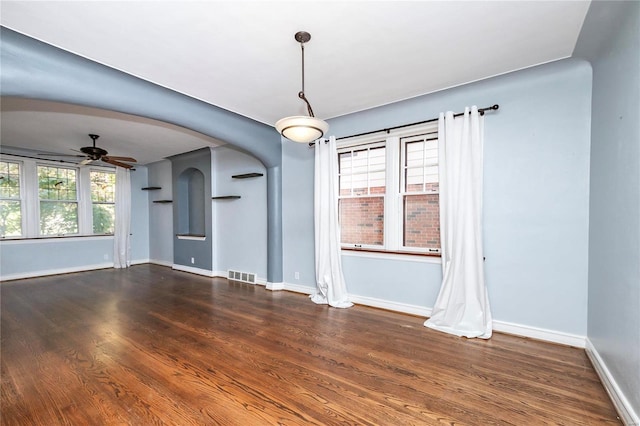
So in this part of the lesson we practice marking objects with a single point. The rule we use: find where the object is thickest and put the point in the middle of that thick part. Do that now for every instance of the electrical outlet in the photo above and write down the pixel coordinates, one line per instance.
(106, 256)
(193, 261)
(296, 275)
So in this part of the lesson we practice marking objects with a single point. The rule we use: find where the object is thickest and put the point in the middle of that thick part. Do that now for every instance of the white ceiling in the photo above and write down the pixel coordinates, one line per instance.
(242, 56)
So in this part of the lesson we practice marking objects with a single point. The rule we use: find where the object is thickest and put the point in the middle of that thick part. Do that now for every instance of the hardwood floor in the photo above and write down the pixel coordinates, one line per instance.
(149, 345)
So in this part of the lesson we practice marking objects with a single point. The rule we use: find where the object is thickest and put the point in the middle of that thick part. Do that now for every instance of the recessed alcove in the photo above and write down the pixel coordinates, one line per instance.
(190, 199)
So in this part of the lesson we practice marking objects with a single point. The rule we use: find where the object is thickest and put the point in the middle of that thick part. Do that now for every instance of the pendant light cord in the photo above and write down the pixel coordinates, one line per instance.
(301, 93)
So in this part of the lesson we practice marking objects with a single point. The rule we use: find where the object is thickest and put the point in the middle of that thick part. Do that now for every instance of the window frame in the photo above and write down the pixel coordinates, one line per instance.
(352, 148)
(404, 141)
(394, 194)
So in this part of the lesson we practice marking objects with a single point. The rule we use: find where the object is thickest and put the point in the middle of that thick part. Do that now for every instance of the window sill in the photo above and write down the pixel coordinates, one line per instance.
(52, 239)
(392, 255)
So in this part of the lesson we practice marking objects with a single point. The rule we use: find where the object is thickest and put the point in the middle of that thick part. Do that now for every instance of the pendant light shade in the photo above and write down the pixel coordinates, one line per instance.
(300, 128)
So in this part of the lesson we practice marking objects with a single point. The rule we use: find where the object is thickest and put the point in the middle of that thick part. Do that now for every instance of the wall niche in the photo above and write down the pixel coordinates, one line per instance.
(191, 202)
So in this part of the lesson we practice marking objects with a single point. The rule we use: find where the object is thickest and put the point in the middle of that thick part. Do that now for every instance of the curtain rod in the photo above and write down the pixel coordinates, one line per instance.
(480, 110)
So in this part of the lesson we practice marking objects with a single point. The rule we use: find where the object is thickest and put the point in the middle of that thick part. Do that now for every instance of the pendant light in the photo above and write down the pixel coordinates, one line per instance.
(301, 128)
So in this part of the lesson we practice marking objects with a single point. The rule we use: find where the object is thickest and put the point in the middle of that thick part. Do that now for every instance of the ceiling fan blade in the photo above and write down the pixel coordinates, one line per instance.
(86, 161)
(110, 160)
(128, 159)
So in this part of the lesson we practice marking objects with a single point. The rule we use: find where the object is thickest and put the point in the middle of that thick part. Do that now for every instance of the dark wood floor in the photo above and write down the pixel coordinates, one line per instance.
(149, 345)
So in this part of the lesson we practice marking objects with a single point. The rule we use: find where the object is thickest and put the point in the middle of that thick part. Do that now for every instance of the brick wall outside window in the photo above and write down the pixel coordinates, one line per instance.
(362, 220)
(421, 221)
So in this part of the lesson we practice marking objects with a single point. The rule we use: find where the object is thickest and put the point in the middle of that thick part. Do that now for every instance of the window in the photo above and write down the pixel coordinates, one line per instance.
(58, 195)
(362, 182)
(388, 196)
(10, 201)
(40, 198)
(103, 199)
(420, 208)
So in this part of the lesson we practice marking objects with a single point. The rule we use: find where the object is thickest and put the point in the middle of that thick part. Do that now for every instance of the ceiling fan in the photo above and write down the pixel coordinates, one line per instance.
(94, 153)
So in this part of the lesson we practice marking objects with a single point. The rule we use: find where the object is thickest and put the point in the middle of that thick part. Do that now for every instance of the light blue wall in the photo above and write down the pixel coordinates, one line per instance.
(160, 215)
(240, 225)
(535, 200)
(139, 216)
(26, 258)
(297, 213)
(610, 39)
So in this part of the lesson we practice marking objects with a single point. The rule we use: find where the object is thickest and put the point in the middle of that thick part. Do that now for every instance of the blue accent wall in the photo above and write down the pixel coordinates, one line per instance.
(184, 167)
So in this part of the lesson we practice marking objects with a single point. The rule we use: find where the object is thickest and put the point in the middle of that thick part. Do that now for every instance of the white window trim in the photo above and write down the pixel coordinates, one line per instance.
(393, 199)
(31, 200)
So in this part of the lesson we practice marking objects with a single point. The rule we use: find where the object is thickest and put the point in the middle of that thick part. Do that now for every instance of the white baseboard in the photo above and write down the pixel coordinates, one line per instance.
(161, 262)
(553, 336)
(625, 410)
(297, 288)
(392, 306)
(47, 272)
(501, 326)
(275, 286)
(193, 270)
(219, 274)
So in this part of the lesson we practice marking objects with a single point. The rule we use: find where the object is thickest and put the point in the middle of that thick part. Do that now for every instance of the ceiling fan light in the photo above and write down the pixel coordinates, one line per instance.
(302, 129)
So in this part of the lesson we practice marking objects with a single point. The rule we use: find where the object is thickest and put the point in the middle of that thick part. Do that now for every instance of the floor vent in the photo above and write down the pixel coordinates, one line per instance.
(245, 277)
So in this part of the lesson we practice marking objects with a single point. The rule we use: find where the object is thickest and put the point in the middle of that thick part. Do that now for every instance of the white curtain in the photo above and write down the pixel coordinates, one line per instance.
(121, 240)
(332, 289)
(462, 306)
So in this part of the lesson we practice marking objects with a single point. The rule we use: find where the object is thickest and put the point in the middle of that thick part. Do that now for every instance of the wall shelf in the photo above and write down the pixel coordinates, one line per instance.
(151, 188)
(226, 197)
(163, 201)
(247, 175)
(193, 237)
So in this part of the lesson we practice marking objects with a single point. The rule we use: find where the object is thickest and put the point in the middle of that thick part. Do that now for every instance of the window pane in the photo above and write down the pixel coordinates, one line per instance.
(362, 220)
(103, 187)
(377, 159)
(344, 162)
(58, 218)
(360, 184)
(9, 180)
(421, 179)
(345, 185)
(10, 219)
(360, 162)
(414, 156)
(421, 221)
(104, 218)
(56, 183)
(362, 171)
